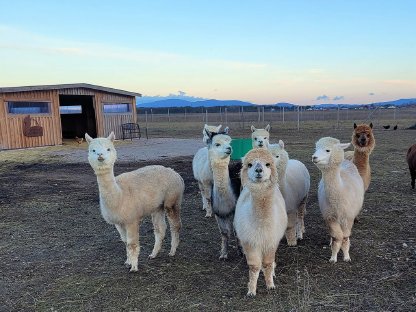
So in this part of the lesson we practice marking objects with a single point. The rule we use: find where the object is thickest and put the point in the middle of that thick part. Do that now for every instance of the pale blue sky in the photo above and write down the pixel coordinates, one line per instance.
(260, 51)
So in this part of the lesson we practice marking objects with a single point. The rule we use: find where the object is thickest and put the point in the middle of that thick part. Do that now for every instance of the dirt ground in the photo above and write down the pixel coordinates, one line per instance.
(58, 254)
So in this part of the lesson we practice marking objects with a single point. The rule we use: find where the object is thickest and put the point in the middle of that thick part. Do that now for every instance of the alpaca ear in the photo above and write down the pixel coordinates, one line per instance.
(355, 125)
(344, 145)
(371, 125)
(267, 128)
(219, 128)
(88, 138)
(112, 136)
(253, 128)
(226, 130)
(282, 144)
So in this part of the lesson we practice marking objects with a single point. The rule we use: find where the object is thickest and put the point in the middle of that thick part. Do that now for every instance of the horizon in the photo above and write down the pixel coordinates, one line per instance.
(299, 52)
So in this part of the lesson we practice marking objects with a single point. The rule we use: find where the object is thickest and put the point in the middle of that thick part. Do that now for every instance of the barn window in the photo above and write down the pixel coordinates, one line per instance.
(73, 109)
(117, 108)
(22, 107)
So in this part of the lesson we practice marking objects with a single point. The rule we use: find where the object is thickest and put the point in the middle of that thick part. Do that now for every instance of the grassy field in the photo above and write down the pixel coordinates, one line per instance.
(58, 254)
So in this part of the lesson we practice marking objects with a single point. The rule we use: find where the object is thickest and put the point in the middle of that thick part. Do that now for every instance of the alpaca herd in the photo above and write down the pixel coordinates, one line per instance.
(259, 199)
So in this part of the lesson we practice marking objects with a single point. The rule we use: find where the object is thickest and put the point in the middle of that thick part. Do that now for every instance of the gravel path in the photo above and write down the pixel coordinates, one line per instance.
(138, 150)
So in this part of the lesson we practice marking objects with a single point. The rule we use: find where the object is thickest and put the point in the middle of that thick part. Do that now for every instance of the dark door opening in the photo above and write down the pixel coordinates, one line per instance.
(77, 116)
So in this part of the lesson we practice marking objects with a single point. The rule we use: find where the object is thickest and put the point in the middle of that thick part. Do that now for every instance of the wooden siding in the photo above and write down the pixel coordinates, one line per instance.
(11, 125)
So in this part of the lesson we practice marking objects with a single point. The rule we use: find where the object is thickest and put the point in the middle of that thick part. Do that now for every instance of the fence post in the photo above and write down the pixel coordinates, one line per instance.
(263, 114)
(185, 113)
(146, 127)
(283, 115)
(151, 114)
(206, 116)
(338, 116)
(226, 117)
(220, 114)
(168, 115)
(258, 114)
(298, 118)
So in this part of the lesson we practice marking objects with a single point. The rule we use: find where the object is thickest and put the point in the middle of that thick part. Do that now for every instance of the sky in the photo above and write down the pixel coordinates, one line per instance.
(298, 51)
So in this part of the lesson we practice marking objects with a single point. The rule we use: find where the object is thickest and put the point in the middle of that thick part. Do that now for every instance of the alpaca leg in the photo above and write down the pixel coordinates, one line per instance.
(291, 229)
(159, 228)
(132, 245)
(413, 177)
(206, 191)
(122, 231)
(337, 236)
(225, 226)
(201, 190)
(300, 222)
(254, 265)
(268, 269)
(346, 248)
(174, 219)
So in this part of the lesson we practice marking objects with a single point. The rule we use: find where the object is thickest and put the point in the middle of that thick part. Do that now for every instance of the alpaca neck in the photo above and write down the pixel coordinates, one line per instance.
(332, 180)
(110, 192)
(221, 175)
(281, 174)
(262, 197)
(361, 160)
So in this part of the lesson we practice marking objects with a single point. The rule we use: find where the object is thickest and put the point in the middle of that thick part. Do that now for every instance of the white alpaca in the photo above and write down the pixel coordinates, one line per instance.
(260, 218)
(202, 169)
(294, 183)
(223, 196)
(340, 193)
(127, 198)
(260, 137)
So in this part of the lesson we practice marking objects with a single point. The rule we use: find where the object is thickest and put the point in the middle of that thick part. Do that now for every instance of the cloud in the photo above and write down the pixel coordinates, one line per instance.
(371, 93)
(338, 98)
(322, 98)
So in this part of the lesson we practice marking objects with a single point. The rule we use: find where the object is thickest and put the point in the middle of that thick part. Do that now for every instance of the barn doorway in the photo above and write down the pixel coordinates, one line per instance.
(77, 116)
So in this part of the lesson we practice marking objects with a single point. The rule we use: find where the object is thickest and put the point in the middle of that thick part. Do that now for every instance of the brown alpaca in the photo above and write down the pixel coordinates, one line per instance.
(364, 143)
(411, 161)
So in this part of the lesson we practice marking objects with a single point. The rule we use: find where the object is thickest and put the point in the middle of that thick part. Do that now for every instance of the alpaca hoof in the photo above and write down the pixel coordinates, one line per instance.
(208, 215)
(133, 269)
(251, 294)
(347, 259)
(224, 257)
(271, 286)
(333, 260)
(152, 256)
(172, 253)
(127, 263)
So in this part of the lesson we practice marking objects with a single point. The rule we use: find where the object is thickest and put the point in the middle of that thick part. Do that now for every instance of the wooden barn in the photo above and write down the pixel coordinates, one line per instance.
(45, 115)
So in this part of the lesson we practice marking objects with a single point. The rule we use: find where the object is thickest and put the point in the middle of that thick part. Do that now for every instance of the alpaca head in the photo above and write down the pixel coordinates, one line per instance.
(363, 138)
(279, 153)
(219, 146)
(101, 152)
(258, 167)
(260, 137)
(329, 152)
(210, 129)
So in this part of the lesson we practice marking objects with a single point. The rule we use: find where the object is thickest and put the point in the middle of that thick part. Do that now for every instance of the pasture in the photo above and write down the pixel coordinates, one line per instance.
(58, 254)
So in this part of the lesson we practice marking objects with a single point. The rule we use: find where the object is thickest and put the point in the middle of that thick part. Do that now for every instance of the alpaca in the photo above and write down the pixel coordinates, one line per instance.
(202, 169)
(224, 193)
(411, 161)
(127, 198)
(294, 183)
(260, 218)
(260, 137)
(340, 193)
(364, 143)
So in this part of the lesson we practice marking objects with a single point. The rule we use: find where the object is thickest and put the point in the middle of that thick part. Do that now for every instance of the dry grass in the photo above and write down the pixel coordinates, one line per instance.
(57, 253)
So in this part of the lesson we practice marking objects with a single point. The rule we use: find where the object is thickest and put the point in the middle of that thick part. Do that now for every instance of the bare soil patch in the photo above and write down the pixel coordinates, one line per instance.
(57, 253)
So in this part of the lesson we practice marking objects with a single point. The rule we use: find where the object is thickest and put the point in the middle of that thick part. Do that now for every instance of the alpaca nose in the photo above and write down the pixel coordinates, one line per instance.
(314, 158)
(100, 157)
(258, 168)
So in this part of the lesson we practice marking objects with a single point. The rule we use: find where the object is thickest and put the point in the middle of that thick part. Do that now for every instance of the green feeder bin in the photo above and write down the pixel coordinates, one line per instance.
(240, 148)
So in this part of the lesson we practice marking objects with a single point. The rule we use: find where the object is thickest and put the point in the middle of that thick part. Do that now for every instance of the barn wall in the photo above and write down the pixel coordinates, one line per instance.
(12, 124)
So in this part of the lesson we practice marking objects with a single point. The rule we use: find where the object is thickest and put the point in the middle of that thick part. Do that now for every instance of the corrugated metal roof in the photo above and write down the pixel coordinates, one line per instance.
(67, 86)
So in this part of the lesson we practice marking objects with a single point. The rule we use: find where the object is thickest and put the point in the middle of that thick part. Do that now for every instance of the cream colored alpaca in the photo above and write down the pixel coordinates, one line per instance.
(294, 183)
(340, 193)
(260, 218)
(260, 137)
(127, 198)
(202, 169)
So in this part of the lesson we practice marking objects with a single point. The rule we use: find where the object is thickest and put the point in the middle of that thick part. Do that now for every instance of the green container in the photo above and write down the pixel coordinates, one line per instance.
(240, 148)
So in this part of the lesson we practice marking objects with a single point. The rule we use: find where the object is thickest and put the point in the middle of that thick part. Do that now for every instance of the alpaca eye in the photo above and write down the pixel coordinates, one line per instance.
(93, 151)
(108, 149)
(218, 144)
(277, 156)
(249, 165)
(327, 151)
(265, 138)
(267, 165)
(255, 139)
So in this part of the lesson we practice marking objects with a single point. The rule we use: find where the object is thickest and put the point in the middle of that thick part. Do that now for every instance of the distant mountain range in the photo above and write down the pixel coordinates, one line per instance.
(216, 103)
